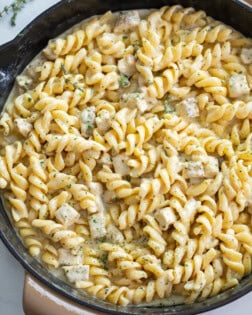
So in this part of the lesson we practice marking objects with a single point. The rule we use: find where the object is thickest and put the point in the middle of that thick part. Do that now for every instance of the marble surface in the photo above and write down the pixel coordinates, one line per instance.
(11, 273)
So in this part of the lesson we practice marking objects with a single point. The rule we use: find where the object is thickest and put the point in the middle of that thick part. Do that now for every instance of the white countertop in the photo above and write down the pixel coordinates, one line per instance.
(11, 273)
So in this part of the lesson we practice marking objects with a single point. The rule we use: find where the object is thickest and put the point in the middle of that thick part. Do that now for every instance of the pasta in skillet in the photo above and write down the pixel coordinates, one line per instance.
(126, 156)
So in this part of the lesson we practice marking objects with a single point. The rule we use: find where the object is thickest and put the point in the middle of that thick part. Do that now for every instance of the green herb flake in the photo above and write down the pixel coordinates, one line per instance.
(15, 7)
(77, 87)
(128, 178)
(124, 37)
(62, 68)
(167, 106)
(104, 260)
(124, 81)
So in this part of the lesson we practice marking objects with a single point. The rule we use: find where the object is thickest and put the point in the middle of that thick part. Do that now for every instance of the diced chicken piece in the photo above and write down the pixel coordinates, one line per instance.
(103, 121)
(96, 188)
(238, 85)
(165, 217)
(31, 68)
(24, 127)
(109, 196)
(133, 100)
(120, 166)
(87, 121)
(193, 170)
(246, 55)
(97, 225)
(76, 273)
(67, 215)
(48, 52)
(127, 21)
(188, 108)
(66, 257)
(127, 65)
(211, 167)
(114, 234)
(24, 82)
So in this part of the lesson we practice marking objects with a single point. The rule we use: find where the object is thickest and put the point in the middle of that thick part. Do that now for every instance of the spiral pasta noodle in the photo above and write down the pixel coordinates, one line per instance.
(125, 160)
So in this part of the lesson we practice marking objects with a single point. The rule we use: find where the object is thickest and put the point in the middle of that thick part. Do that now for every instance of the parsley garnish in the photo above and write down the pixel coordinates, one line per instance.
(124, 81)
(128, 178)
(167, 106)
(16, 6)
(77, 87)
(62, 68)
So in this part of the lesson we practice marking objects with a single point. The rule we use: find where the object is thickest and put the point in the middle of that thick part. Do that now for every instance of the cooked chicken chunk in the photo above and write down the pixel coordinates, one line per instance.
(48, 52)
(126, 65)
(67, 215)
(135, 100)
(238, 85)
(97, 225)
(76, 273)
(67, 257)
(24, 127)
(193, 170)
(127, 21)
(103, 121)
(165, 217)
(211, 167)
(114, 234)
(246, 55)
(120, 166)
(87, 121)
(188, 108)
(24, 82)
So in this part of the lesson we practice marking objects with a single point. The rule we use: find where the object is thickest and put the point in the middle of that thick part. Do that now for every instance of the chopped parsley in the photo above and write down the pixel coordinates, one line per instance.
(167, 106)
(125, 37)
(104, 260)
(124, 81)
(77, 87)
(63, 69)
(136, 44)
(128, 178)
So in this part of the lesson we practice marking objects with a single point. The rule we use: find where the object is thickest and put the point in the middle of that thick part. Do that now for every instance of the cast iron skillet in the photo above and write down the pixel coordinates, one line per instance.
(15, 55)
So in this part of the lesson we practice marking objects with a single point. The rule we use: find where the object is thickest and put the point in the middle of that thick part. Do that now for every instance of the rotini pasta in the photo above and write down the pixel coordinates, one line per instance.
(126, 156)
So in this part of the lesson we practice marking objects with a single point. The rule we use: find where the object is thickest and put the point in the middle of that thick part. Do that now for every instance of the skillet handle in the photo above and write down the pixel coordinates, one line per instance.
(40, 300)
